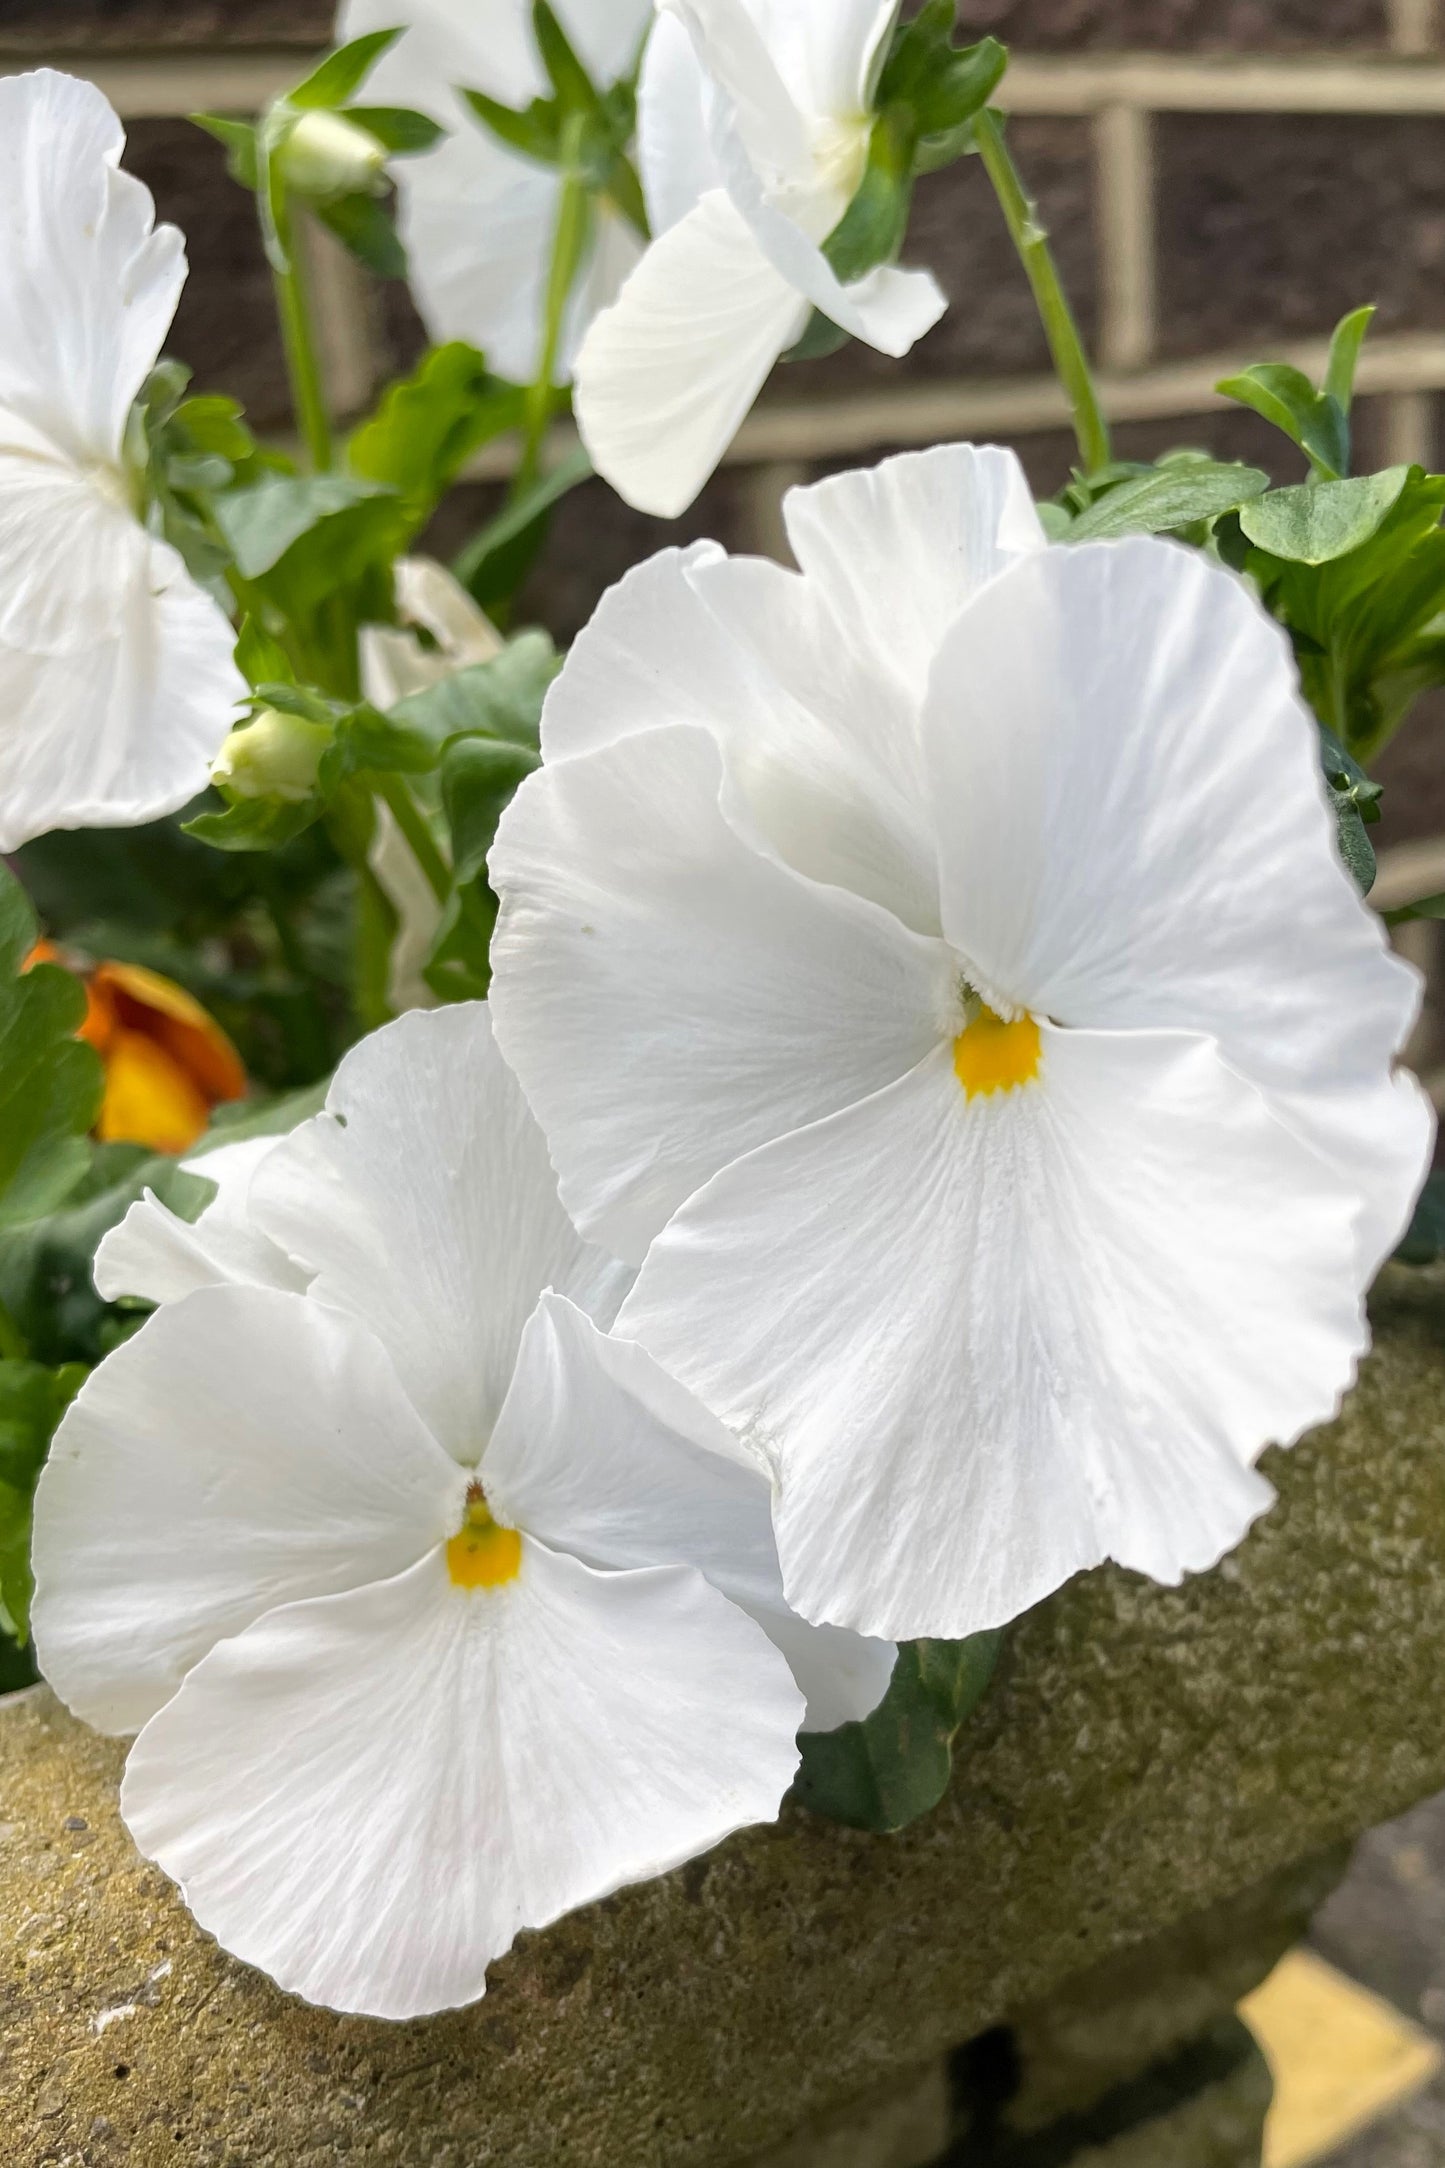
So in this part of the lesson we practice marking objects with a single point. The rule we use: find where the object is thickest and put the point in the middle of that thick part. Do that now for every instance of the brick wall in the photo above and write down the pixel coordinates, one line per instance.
(1223, 179)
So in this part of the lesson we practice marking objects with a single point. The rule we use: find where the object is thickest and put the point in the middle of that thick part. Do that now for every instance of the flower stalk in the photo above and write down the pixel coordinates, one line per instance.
(293, 303)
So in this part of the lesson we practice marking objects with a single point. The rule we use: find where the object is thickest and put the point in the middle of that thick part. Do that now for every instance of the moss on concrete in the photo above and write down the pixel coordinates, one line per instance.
(1145, 1753)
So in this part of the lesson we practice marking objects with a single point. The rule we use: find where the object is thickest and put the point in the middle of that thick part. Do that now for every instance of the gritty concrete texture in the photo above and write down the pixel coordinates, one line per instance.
(907, 2124)
(1146, 1753)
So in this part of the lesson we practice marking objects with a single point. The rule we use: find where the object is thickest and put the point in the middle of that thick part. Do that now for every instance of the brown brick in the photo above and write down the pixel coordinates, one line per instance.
(1272, 225)
(225, 328)
(992, 327)
(1180, 25)
(82, 26)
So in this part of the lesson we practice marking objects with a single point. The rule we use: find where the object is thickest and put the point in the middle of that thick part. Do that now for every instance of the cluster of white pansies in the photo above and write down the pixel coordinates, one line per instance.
(753, 131)
(478, 219)
(116, 679)
(438, 1612)
(938, 966)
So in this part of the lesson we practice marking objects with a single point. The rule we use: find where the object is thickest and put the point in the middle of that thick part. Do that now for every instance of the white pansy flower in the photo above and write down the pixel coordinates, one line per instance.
(478, 219)
(154, 1255)
(753, 130)
(117, 684)
(429, 1602)
(887, 946)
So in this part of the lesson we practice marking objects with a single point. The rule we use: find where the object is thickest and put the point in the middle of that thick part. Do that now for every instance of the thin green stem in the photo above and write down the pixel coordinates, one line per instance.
(409, 818)
(293, 302)
(569, 245)
(1032, 242)
(350, 823)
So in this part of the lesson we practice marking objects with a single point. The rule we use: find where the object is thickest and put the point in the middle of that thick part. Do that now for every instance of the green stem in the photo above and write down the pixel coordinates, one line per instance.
(569, 246)
(1032, 242)
(350, 822)
(410, 819)
(13, 1346)
(293, 302)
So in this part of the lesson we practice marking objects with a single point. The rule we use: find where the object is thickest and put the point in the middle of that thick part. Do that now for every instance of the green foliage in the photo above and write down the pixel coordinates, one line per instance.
(497, 699)
(577, 126)
(1425, 1242)
(1316, 523)
(427, 426)
(33, 1397)
(1184, 491)
(1313, 420)
(493, 566)
(894, 1767)
(341, 74)
(1356, 802)
(50, 1084)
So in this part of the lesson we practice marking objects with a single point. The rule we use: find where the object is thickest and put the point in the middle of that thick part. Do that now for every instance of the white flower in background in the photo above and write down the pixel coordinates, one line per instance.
(753, 130)
(117, 685)
(394, 665)
(424, 1604)
(886, 945)
(478, 219)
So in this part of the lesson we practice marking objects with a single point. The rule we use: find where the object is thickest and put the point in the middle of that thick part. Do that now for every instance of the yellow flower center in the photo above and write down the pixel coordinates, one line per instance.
(480, 1554)
(990, 1055)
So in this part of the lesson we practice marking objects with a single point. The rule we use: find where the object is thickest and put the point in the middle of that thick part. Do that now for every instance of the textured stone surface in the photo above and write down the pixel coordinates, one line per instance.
(907, 2124)
(91, 25)
(1145, 1753)
(1181, 25)
(1274, 224)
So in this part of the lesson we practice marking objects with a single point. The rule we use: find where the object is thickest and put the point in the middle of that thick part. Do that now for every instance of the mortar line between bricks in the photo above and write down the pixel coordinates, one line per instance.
(1125, 239)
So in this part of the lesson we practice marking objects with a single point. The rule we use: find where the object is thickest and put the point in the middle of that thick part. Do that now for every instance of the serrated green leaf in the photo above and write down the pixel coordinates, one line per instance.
(427, 426)
(1168, 498)
(894, 1767)
(342, 73)
(499, 699)
(1317, 522)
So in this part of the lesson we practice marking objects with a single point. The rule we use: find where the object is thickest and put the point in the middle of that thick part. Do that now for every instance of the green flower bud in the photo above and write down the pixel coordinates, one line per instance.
(325, 155)
(273, 756)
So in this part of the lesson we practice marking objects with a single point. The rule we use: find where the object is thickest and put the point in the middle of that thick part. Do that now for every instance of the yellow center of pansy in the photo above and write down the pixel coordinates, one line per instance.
(990, 1055)
(480, 1554)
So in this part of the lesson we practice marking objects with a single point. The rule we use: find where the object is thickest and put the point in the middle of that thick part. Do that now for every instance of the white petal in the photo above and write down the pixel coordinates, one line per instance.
(1137, 836)
(71, 554)
(370, 1797)
(674, 150)
(833, 54)
(88, 284)
(895, 551)
(156, 1256)
(669, 996)
(821, 745)
(122, 729)
(424, 1203)
(244, 1449)
(990, 1342)
(600, 1453)
(665, 376)
(735, 52)
(418, 913)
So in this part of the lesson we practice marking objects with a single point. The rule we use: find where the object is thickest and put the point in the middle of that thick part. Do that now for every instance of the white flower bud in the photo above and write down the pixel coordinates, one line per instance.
(273, 756)
(325, 155)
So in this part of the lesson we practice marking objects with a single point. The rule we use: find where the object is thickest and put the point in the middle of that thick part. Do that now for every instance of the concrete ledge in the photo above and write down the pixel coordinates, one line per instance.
(1146, 1754)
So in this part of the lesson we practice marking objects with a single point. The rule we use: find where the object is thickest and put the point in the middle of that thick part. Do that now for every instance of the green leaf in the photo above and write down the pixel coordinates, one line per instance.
(1356, 801)
(1425, 1242)
(500, 699)
(305, 539)
(574, 87)
(872, 228)
(428, 425)
(1345, 357)
(260, 659)
(364, 226)
(479, 777)
(396, 128)
(239, 138)
(1319, 521)
(342, 73)
(264, 522)
(1405, 914)
(33, 1397)
(494, 562)
(459, 966)
(50, 1083)
(256, 824)
(1169, 497)
(534, 131)
(884, 1773)
(1315, 421)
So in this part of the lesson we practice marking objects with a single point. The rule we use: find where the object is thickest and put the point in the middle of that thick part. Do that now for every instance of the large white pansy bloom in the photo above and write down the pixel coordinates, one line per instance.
(944, 955)
(753, 132)
(478, 220)
(154, 1255)
(429, 1615)
(117, 685)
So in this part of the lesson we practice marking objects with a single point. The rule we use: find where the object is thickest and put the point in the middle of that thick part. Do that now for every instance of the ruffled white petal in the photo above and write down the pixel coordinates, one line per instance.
(669, 996)
(989, 1342)
(821, 747)
(88, 283)
(155, 1256)
(736, 50)
(665, 376)
(600, 1453)
(246, 1448)
(1137, 836)
(370, 1797)
(423, 1202)
(674, 149)
(123, 725)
